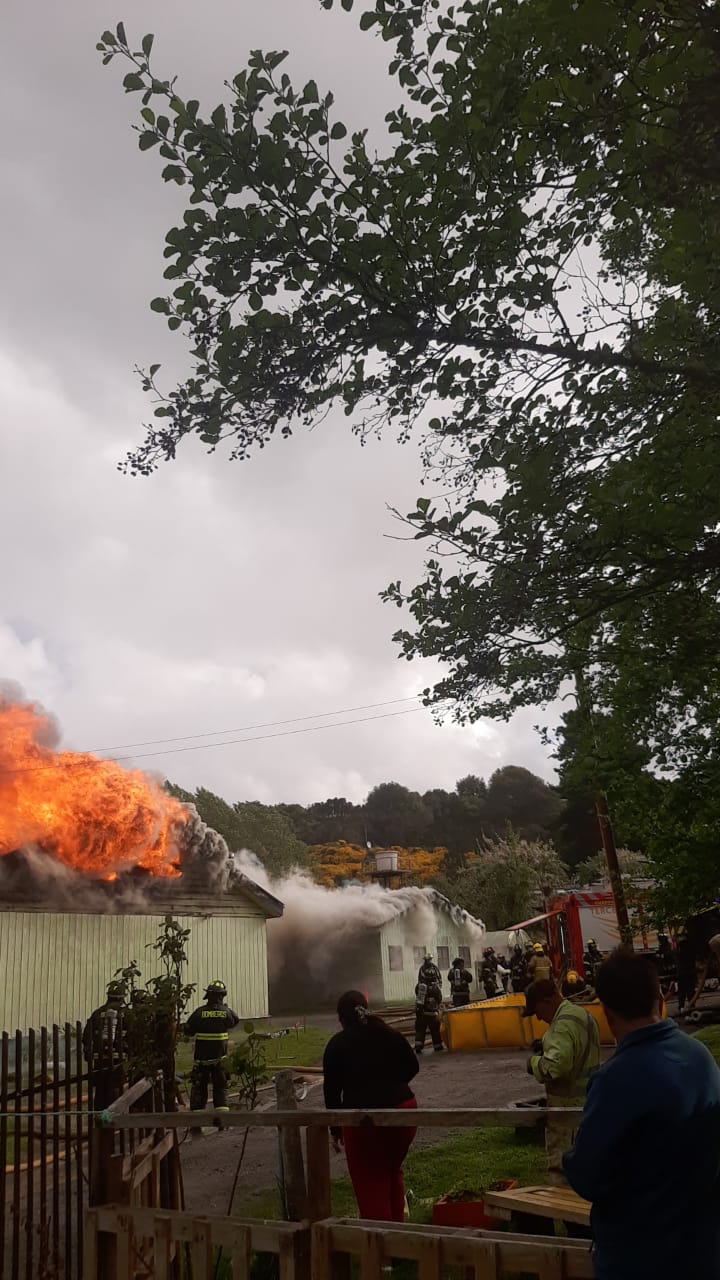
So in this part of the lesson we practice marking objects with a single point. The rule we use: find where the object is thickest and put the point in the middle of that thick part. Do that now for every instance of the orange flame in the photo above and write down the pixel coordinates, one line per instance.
(91, 814)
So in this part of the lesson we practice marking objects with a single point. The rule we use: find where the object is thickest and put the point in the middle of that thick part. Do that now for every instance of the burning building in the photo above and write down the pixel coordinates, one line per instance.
(92, 856)
(363, 936)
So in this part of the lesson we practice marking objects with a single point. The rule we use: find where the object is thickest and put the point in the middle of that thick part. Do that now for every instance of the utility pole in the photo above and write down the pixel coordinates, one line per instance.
(607, 835)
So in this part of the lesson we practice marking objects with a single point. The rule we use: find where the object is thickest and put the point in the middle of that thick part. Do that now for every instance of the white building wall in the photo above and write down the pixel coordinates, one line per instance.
(56, 966)
(444, 943)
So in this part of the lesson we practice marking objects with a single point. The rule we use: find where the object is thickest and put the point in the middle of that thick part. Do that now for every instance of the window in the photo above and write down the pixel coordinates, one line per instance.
(443, 957)
(395, 959)
(464, 954)
(418, 955)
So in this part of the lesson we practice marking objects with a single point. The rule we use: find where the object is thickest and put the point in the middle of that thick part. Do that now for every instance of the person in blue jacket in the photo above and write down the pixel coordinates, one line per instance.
(647, 1153)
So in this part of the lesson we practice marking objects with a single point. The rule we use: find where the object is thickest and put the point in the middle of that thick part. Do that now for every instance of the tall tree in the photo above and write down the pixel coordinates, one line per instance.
(522, 799)
(503, 887)
(533, 260)
(396, 815)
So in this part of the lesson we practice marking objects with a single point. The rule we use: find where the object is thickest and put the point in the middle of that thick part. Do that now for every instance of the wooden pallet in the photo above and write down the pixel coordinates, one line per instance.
(562, 1204)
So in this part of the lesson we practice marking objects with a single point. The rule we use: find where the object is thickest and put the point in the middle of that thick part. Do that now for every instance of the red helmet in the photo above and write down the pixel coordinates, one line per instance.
(489, 951)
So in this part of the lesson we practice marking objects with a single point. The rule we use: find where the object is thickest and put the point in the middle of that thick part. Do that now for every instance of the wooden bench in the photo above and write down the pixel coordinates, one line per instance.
(561, 1204)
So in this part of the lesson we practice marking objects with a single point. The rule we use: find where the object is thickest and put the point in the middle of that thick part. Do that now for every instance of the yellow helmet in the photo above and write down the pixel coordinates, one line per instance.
(591, 942)
(538, 949)
(573, 975)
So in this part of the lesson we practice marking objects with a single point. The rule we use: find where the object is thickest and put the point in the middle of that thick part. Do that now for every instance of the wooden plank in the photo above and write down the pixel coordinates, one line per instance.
(81, 1131)
(143, 1169)
(56, 1146)
(162, 1248)
(121, 1106)
(201, 1250)
(294, 1257)
(441, 1118)
(43, 1219)
(123, 1269)
(372, 1255)
(482, 1258)
(17, 1142)
(295, 1188)
(318, 1173)
(67, 1125)
(240, 1250)
(544, 1202)
(550, 1264)
(30, 1157)
(90, 1247)
(430, 1259)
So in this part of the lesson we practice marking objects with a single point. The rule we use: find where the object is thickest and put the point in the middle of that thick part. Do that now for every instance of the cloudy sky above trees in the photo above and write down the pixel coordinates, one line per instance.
(212, 595)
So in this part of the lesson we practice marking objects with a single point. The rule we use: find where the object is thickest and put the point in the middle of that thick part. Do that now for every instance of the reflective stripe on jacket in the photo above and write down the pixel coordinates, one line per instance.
(210, 1025)
(571, 1053)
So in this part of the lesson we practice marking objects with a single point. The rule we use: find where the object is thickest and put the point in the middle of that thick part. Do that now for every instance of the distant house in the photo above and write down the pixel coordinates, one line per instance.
(396, 950)
(56, 962)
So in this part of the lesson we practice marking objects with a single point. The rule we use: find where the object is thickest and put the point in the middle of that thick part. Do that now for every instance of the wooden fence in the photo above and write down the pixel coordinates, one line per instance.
(140, 1244)
(56, 1159)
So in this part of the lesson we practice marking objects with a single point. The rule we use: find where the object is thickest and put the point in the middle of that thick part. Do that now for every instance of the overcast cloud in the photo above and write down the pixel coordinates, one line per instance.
(212, 595)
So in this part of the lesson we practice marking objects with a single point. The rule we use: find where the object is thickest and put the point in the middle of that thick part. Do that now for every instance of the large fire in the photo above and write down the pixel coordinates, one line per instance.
(90, 814)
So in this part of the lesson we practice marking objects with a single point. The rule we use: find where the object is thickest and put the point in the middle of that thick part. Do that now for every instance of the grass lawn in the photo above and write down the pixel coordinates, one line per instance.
(471, 1161)
(303, 1047)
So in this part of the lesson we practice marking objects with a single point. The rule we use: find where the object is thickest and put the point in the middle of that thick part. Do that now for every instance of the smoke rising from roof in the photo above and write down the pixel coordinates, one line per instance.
(320, 944)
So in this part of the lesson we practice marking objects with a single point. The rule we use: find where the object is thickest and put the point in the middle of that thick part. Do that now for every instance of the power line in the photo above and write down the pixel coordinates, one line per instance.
(205, 746)
(248, 728)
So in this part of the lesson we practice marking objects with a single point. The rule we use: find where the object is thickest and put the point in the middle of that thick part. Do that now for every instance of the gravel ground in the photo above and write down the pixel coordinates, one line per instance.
(490, 1079)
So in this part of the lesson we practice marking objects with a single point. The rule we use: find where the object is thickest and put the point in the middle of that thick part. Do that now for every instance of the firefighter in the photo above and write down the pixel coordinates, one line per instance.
(488, 974)
(103, 1048)
(428, 973)
(210, 1025)
(539, 969)
(563, 1062)
(592, 959)
(428, 999)
(518, 970)
(576, 988)
(460, 981)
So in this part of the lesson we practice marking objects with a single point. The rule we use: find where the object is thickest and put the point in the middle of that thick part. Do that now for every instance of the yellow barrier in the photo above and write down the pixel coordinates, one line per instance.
(498, 1024)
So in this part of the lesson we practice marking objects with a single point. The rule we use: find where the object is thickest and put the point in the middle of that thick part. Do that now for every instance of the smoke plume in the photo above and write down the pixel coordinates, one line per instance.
(319, 945)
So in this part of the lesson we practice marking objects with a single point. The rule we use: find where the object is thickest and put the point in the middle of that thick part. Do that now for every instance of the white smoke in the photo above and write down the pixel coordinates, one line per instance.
(320, 927)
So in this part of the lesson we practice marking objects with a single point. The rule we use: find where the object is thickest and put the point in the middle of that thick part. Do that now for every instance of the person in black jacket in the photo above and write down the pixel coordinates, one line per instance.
(210, 1025)
(103, 1048)
(369, 1065)
(428, 1001)
(460, 980)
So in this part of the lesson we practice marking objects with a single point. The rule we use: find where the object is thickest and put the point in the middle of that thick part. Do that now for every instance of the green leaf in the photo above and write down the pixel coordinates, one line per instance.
(368, 20)
(148, 115)
(147, 44)
(347, 5)
(121, 33)
(160, 304)
(147, 140)
(153, 370)
(132, 82)
(338, 131)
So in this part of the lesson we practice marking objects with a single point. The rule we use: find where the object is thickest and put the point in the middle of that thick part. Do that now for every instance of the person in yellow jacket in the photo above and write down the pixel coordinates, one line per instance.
(562, 1062)
(539, 967)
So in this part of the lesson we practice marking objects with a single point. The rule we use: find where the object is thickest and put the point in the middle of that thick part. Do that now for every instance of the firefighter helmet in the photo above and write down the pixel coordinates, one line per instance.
(538, 949)
(488, 951)
(217, 989)
(573, 976)
(428, 958)
(115, 990)
(591, 942)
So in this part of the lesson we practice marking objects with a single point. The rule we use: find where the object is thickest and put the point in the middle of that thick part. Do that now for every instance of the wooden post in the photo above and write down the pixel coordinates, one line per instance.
(296, 1198)
(318, 1174)
(325, 1266)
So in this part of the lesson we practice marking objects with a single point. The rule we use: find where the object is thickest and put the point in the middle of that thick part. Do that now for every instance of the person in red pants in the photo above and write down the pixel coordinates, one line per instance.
(369, 1066)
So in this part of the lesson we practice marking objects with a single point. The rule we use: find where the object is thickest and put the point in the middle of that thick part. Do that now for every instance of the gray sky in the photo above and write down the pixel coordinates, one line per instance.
(212, 595)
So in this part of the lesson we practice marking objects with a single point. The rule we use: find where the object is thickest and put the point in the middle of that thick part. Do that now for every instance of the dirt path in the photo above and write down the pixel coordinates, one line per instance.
(491, 1079)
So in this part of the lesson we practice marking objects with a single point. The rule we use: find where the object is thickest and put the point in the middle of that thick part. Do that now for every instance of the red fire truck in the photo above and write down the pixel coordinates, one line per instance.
(571, 918)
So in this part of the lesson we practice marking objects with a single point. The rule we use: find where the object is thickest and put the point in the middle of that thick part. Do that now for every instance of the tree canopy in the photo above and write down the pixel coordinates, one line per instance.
(525, 272)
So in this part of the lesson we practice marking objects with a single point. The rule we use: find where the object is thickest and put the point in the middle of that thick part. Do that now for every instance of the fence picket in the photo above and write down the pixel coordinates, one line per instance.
(81, 1131)
(30, 1158)
(17, 1146)
(68, 1152)
(43, 1223)
(56, 1148)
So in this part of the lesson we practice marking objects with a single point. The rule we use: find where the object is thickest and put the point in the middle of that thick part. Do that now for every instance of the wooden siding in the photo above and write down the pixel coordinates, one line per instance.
(402, 932)
(56, 966)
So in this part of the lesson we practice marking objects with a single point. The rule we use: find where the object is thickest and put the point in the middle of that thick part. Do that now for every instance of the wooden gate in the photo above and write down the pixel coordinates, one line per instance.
(44, 1169)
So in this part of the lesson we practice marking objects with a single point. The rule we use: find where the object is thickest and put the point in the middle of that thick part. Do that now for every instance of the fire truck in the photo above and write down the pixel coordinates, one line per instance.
(571, 918)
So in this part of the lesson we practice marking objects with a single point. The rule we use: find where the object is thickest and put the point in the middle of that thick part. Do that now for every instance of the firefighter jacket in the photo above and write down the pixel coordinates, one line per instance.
(210, 1025)
(570, 1054)
(539, 968)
